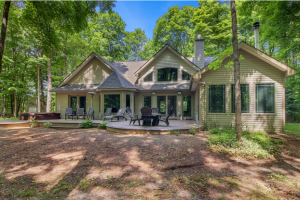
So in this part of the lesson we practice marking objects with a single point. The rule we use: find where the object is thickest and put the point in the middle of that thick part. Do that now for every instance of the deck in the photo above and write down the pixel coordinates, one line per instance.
(121, 126)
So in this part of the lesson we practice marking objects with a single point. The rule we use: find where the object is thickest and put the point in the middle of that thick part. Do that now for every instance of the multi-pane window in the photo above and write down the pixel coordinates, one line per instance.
(265, 98)
(74, 104)
(112, 101)
(127, 100)
(167, 74)
(172, 100)
(147, 101)
(149, 77)
(161, 103)
(187, 106)
(185, 76)
(217, 98)
(245, 98)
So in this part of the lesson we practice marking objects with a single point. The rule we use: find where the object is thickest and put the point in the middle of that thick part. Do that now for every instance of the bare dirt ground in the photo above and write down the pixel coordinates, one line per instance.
(95, 164)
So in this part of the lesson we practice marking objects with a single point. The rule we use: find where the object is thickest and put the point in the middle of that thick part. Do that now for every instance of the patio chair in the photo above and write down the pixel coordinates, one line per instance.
(133, 117)
(147, 116)
(90, 113)
(80, 112)
(120, 114)
(69, 112)
(155, 110)
(167, 118)
(108, 114)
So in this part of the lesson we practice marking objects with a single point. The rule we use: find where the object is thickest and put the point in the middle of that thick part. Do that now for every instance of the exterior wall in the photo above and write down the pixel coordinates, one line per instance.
(139, 102)
(166, 60)
(93, 73)
(252, 72)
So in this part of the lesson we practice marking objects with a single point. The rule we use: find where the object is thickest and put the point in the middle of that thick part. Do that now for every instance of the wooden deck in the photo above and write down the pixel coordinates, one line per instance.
(121, 126)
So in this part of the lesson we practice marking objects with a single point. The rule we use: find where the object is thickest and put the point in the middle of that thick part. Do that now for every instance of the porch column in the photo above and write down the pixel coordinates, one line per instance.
(132, 101)
(154, 99)
(123, 100)
(102, 111)
(179, 106)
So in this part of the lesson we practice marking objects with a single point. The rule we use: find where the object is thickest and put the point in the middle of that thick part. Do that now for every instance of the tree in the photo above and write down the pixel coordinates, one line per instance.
(3, 30)
(236, 66)
(135, 41)
(176, 29)
(212, 21)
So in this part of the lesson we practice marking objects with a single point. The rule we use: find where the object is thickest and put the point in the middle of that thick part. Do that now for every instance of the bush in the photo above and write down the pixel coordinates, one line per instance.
(193, 130)
(87, 124)
(47, 124)
(256, 145)
(103, 125)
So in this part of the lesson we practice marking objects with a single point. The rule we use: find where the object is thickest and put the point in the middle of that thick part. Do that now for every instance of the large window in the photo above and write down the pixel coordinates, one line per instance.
(112, 101)
(185, 76)
(217, 98)
(147, 101)
(172, 100)
(245, 98)
(187, 106)
(74, 104)
(127, 100)
(161, 103)
(82, 102)
(149, 77)
(265, 98)
(167, 74)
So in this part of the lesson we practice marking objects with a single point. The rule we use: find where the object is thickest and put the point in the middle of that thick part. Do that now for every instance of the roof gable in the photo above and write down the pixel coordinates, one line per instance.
(116, 80)
(166, 47)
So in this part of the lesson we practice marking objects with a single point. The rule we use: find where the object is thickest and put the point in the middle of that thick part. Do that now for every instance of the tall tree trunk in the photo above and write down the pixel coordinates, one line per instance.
(49, 87)
(3, 30)
(38, 90)
(3, 109)
(65, 62)
(236, 66)
(42, 91)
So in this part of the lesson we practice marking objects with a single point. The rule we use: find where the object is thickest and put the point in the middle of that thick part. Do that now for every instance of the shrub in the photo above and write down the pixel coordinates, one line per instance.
(103, 125)
(87, 124)
(193, 130)
(32, 123)
(256, 144)
(47, 124)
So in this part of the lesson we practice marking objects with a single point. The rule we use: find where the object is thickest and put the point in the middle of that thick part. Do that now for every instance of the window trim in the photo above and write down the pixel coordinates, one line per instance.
(274, 97)
(167, 68)
(208, 100)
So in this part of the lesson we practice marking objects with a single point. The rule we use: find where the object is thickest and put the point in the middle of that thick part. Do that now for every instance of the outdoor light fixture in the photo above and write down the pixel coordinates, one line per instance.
(92, 94)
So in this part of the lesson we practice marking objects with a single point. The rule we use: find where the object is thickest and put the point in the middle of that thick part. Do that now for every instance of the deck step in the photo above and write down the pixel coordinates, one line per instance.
(66, 127)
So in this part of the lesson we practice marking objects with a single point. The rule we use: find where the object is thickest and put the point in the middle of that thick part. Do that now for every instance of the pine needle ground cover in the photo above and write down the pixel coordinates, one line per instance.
(293, 129)
(253, 145)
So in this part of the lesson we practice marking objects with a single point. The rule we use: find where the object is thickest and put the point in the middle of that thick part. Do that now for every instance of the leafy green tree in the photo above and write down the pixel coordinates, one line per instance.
(176, 29)
(212, 20)
(135, 41)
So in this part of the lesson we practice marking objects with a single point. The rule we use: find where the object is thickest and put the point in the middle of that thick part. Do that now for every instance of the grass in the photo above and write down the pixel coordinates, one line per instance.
(293, 129)
(253, 145)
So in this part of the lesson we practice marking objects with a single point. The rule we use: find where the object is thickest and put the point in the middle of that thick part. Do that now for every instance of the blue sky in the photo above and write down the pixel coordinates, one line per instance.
(143, 14)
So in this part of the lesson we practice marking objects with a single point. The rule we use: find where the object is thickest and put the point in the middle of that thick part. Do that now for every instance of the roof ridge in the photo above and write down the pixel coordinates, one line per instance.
(130, 61)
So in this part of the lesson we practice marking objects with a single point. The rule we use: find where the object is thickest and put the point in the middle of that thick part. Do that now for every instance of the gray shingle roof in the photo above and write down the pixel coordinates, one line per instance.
(177, 86)
(116, 80)
(129, 67)
(207, 60)
(76, 87)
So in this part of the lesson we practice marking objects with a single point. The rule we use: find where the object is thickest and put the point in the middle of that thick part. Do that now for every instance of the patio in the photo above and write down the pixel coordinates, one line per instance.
(121, 126)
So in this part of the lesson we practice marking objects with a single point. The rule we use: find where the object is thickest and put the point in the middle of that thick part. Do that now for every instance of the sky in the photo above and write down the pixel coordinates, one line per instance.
(143, 14)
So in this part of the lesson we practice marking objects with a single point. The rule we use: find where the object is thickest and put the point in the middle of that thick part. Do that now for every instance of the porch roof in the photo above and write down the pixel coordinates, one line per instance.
(171, 86)
(76, 87)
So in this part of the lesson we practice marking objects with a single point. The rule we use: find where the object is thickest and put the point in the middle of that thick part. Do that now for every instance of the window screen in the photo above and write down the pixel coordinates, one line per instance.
(217, 98)
(147, 101)
(185, 76)
(112, 101)
(149, 77)
(265, 98)
(167, 74)
(245, 98)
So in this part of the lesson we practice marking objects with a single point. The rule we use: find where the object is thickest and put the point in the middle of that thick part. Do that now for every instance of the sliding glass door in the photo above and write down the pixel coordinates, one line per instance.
(172, 100)
(161, 104)
(187, 106)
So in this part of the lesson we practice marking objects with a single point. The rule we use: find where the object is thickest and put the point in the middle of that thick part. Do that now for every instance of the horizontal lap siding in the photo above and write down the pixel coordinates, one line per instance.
(252, 71)
(167, 60)
(62, 103)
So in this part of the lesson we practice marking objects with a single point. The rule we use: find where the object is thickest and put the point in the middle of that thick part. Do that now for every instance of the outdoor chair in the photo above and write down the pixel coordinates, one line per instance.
(80, 112)
(90, 113)
(133, 117)
(147, 116)
(167, 118)
(155, 110)
(108, 114)
(69, 112)
(120, 114)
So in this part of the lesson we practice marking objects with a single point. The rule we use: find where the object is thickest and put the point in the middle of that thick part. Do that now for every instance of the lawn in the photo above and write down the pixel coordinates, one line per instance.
(44, 163)
(293, 129)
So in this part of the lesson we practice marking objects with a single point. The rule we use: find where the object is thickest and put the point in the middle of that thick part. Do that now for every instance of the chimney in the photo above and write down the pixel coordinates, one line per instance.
(256, 34)
(199, 51)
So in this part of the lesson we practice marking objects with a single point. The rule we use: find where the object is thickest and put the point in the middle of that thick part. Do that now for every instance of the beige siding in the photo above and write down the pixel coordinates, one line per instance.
(62, 102)
(253, 71)
(167, 60)
(94, 72)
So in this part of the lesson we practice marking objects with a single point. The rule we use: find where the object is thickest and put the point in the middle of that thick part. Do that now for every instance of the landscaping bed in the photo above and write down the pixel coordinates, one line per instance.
(92, 163)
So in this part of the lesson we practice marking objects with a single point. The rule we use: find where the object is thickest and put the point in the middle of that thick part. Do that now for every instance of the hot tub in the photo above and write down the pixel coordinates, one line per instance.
(39, 116)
